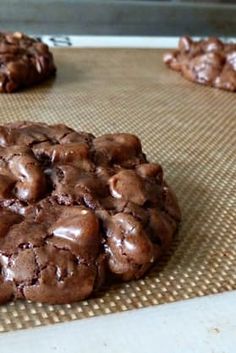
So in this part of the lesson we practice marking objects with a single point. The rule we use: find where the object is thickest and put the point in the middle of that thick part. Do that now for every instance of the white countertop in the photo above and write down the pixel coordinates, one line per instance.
(116, 41)
(201, 325)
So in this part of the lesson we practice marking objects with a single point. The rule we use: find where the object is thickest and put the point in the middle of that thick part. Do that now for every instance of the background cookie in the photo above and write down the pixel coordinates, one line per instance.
(208, 61)
(24, 61)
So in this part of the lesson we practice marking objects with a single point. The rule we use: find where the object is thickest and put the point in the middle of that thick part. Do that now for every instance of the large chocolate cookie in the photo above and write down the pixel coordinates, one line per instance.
(209, 62)
(24, 62)
(76, 210)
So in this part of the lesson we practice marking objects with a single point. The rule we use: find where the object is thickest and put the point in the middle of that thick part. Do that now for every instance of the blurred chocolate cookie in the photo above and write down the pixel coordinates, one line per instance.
(24, 62)
(208, 61)
(75, 210)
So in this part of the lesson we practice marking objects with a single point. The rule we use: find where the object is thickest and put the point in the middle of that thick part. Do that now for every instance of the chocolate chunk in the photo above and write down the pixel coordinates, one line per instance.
(209, 62)
(24, 62)
(76, 210)
(122, 149)
(130, 248)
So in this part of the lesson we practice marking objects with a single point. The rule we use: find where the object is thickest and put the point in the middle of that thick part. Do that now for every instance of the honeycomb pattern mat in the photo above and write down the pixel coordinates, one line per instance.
(189, 129)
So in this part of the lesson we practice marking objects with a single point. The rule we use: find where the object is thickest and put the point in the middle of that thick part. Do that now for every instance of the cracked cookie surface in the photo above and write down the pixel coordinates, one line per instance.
(77, 210)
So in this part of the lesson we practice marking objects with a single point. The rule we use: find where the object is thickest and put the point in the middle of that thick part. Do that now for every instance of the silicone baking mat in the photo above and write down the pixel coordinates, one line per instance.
(189, 129)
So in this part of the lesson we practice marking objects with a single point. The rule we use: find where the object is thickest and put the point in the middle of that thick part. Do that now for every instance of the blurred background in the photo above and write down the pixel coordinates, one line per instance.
(120, 17)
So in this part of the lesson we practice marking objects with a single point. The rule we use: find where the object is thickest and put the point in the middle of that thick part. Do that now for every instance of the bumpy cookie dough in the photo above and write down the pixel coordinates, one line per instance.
(76, 210)
(208, 62)
(24, 62)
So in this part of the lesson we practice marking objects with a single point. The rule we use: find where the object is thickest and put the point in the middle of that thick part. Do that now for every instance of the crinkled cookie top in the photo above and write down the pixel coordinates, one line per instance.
(77, 210)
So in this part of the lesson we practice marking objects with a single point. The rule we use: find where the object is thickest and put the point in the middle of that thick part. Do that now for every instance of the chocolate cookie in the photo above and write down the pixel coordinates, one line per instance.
(76, 210)
(208, 62)
(24, 62)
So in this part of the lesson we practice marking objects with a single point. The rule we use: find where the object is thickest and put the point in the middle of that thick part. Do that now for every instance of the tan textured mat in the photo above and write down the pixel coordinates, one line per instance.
(189, 129)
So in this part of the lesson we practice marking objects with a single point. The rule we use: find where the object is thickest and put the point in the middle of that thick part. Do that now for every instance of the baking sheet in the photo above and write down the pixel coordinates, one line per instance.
(189, 129)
